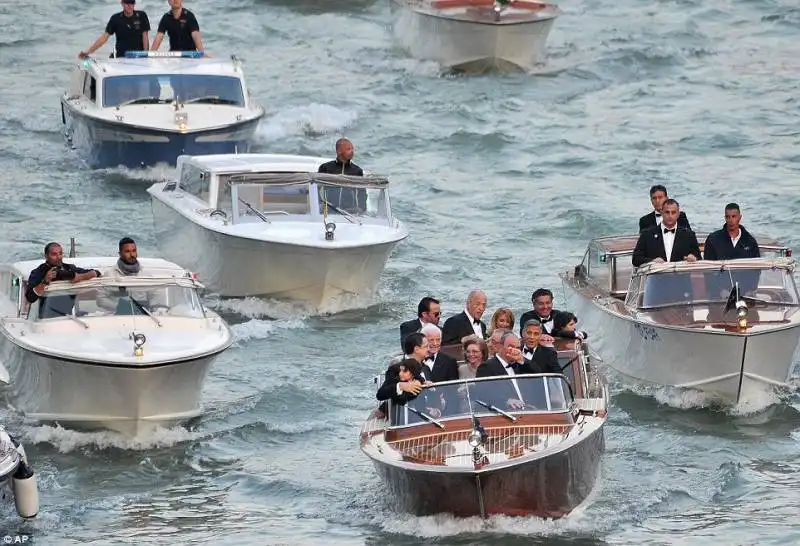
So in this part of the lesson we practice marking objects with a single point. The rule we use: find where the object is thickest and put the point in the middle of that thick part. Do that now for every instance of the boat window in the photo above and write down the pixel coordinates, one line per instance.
(273, 201)
(459, 399)
(159, 301)
(90, 87)
(598, 266)
(194, 181)
(773, 286)
(623, 271)
(368, 202)
(190, 88)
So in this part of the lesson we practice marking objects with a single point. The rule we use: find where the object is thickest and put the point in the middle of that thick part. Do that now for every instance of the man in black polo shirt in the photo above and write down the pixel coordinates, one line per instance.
(181, 26)
(131, 28)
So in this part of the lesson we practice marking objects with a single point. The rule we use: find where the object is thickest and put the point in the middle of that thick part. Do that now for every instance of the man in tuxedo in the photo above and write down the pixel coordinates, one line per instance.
(494, 345)
(428, 312)
(542, 300)
(403, 384)
(667, 242)
(658, 196)
(508, 362)
(538, 359)
(440, 367)
(467, 322)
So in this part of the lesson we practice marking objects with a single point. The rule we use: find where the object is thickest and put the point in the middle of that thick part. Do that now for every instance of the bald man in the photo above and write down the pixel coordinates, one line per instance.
(351, 200)
(468, 322)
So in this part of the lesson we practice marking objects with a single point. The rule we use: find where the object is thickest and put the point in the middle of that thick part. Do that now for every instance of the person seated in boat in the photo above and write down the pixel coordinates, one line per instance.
(538, 358)
(468, 322)
(181, 26)
(667, 242)
(658, 196)
(494, 345)
(118, 299)
(542, 300)
(440, 367)
(428, 312)
(733, 241)
(415, 346)
(565, 326)
(475, 353)
(508, 362)
(351, 200)
(131, 27)
(502, 318)
(402, 384)
(54, 269)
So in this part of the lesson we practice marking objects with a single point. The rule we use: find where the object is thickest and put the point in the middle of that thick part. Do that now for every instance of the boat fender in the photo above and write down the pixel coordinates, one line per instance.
(63, 117)
(26, 494)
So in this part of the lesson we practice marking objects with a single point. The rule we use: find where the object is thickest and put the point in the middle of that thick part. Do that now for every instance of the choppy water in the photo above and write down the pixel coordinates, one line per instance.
(501, 180)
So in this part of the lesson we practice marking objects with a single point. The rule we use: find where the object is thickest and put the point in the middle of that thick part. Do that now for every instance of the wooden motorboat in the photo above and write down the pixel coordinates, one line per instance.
(728, 328)
(474, 35)
(481, 458)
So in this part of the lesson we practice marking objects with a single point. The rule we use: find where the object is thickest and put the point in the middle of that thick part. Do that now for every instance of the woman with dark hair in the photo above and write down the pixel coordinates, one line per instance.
(475, 353)
(564, 324)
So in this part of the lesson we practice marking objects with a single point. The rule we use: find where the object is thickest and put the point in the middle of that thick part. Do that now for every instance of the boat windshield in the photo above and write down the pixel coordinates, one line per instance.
(163, 300)
(768, 286)
(350, 201)
(504, 396)
(160, 88)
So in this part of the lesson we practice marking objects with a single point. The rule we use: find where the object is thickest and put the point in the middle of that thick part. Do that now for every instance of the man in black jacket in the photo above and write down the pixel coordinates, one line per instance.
(667, 242)
(468, 322)
(428, 312)
(54, 269)
(658, 196)
(347, 199)
(732, 242)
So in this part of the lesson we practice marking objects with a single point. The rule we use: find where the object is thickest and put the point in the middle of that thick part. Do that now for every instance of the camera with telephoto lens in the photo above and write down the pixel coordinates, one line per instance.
(64, 274)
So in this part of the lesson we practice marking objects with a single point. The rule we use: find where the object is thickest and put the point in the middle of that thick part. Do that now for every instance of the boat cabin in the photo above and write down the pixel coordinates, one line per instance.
(161, 289)
(607, 265)
(254, 188)
(152, 77)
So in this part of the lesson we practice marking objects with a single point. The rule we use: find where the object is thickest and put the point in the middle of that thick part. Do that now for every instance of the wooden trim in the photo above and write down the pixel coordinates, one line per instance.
(520, 4)
(490, 421)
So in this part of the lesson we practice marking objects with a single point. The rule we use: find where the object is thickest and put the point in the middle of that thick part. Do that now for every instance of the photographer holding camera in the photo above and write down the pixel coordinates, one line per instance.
(54, 269)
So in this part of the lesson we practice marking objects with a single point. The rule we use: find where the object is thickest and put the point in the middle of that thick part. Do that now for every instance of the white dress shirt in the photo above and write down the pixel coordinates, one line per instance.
(475, 327)
(735, 240)
(510, 371)
(669, 241)
(658, 218)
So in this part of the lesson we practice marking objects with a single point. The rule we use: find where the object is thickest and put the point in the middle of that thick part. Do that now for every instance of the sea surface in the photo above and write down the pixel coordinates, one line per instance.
(501, 180)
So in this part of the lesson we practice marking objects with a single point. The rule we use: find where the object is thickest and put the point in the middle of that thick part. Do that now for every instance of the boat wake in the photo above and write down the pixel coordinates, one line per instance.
(156, 173)
(66, 440)
(312, 120)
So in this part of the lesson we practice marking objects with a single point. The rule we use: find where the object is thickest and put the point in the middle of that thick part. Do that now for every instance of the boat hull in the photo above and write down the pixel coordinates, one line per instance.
(731, 367)
(94, 396)
(469, 46)
(547, 487)
(234, 266)
(105, 144)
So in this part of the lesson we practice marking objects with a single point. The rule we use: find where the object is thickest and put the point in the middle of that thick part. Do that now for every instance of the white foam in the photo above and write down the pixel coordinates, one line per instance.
(311, 120)
(152, 174)
(66, 440)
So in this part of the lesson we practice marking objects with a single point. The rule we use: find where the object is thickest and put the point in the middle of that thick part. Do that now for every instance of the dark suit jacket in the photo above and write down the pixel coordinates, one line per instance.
(457, 327)
(651, 246)
(498, 392)
(649, 220)
(545, 360)
(409, 327)
(720, 247)
(445, 368)
(528, 315)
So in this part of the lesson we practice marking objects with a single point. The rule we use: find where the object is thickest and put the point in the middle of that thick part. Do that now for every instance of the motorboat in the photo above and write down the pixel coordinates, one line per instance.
(474, 35)
(727, 328)
(270, 225)
(149, 107)
(125, 353)
(480, 457)
(17, 478)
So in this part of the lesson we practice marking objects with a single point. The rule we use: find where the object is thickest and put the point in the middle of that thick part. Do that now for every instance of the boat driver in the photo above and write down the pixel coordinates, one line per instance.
(54, 269)
(348, 199)
(131, 27)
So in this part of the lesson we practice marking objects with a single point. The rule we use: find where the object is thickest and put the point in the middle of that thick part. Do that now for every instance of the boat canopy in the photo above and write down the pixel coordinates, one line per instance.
(486, 396)
(298, 179)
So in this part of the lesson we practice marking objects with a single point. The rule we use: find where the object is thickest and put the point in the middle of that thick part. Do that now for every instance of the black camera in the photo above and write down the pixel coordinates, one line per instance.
(64, 274)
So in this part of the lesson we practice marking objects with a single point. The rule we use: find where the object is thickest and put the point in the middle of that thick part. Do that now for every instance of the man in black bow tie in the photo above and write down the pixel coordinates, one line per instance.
(542, 300)
(508, 362)
(437, 365)
(467, 322)
(668, 242)
(658, 196)
(539, 359)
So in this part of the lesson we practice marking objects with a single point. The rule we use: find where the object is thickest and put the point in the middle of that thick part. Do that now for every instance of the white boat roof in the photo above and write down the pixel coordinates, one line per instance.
(167, 65)
(151, 267)
(256, 163)
(707, 265)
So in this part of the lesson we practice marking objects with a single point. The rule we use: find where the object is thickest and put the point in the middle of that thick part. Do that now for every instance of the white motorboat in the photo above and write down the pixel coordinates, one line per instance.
(150, 107)
(728, 328)
(270, 225)
(116, 352)
(17, 476)
(474, 35)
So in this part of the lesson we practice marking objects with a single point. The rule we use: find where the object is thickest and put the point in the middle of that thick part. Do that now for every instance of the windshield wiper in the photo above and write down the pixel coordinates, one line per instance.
(426, 417)
(497, 410)
(144, 100)
(144, 310)
(211, 99)
(344, 213)
(254, 210)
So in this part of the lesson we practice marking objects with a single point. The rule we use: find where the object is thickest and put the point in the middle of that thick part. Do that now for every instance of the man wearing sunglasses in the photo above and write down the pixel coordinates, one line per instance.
(428, 312)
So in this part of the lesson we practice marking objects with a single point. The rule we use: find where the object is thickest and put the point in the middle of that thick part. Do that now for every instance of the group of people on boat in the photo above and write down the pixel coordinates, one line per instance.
(665, 235)
(132, 30)
(487, 351)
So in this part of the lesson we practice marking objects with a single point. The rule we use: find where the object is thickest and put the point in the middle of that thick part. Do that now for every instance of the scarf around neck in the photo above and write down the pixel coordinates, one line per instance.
(128, 269)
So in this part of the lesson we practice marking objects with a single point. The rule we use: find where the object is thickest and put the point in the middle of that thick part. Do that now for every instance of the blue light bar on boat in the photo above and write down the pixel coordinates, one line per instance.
(183, 54)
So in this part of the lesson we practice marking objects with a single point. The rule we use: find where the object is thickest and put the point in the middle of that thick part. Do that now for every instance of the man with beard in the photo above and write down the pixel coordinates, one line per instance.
(118, 299)
(54, 269)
